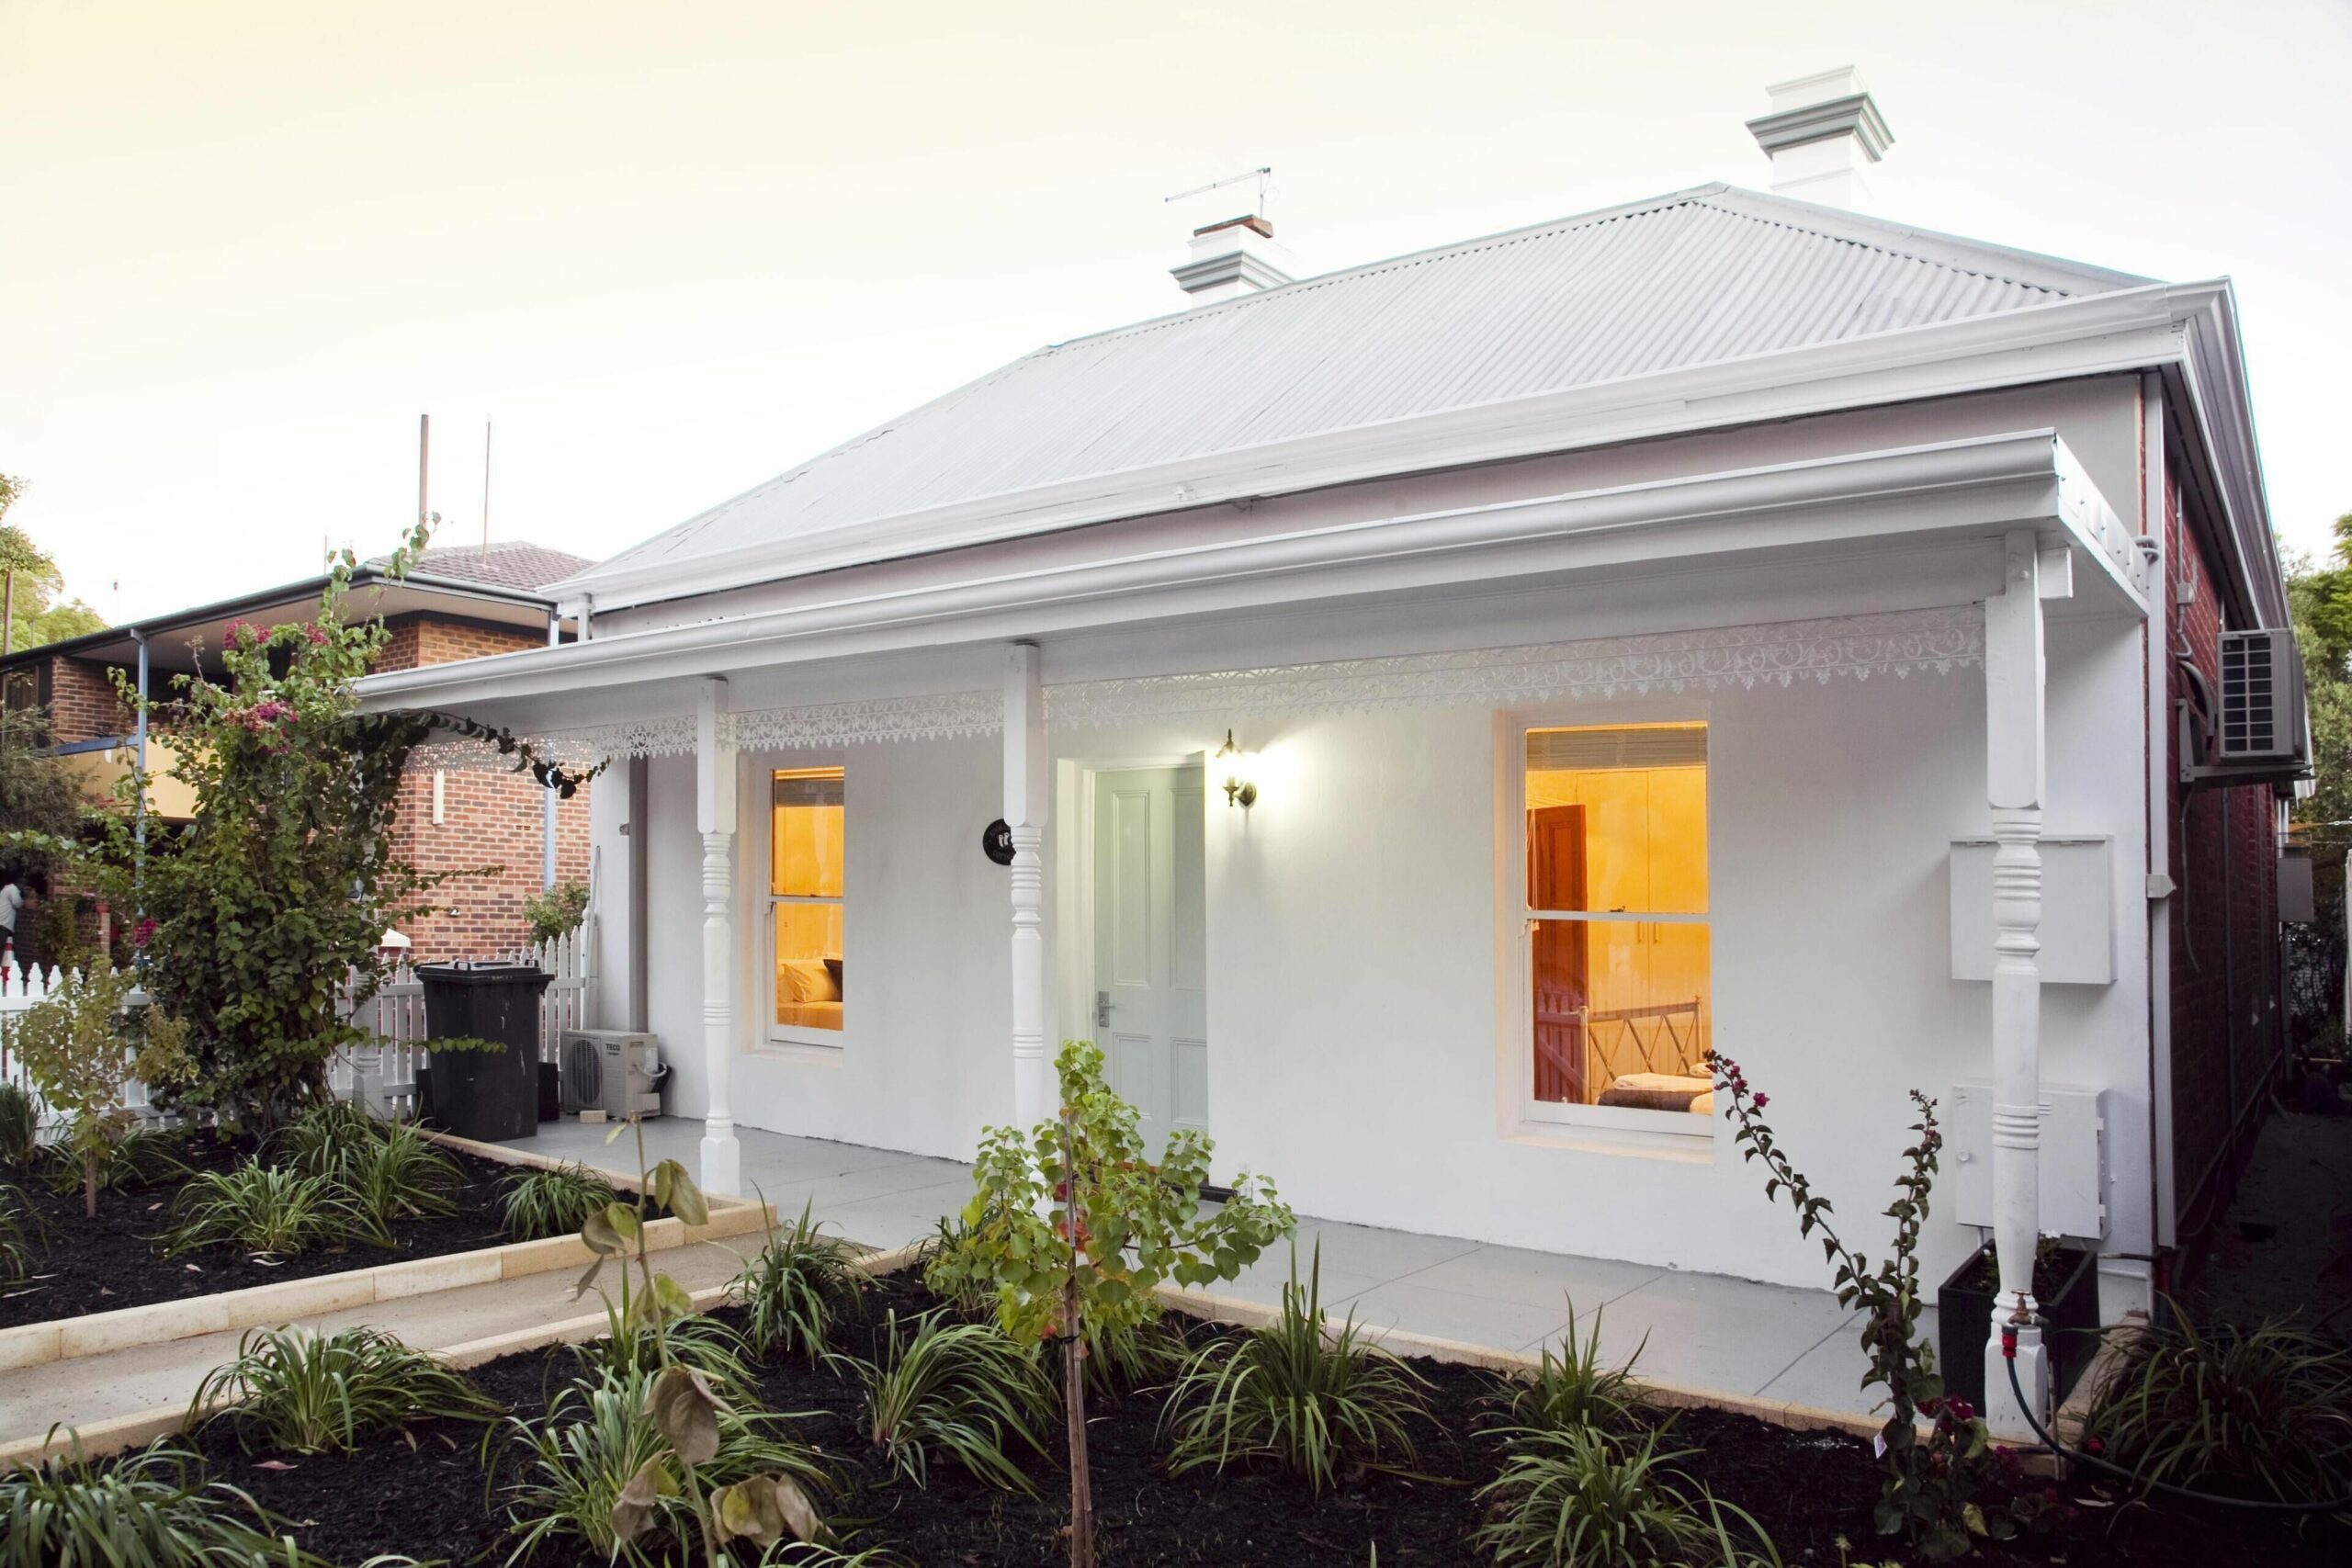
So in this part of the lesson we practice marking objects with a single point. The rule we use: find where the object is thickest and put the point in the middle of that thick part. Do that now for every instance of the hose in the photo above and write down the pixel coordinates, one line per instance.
(2025, 1407)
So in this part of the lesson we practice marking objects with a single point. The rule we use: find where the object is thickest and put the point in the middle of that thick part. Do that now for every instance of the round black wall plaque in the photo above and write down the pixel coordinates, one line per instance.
(996, 841)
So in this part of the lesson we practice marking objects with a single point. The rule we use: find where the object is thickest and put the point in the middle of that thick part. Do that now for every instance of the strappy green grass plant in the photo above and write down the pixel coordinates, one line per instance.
(399, 1173)
(18, 1225)
(556, 1202)
(1294, 1390)
(326, 1392)
(577, 1466)
(796, 1286)
(634, 1341)
(140, 1158)
(2268, 1412)
(260, 1209)
(963, 1391)
(19, 1127)
(324, 1138)
(1572, 1387)
(1121, 1359)
(151, 1509)
(1576, 1497)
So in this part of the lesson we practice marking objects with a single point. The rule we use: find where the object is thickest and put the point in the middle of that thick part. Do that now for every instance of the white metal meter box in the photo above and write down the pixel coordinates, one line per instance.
(2073, 1157)
(2077, 932)
(611, 1071)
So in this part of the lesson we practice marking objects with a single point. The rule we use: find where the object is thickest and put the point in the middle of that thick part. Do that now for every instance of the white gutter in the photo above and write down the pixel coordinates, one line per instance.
(2129, 329)
(2024, 478)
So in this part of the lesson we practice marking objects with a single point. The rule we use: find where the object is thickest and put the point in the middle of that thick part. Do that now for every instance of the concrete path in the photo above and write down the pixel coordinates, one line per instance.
(90, 1389)
(1704, 1330)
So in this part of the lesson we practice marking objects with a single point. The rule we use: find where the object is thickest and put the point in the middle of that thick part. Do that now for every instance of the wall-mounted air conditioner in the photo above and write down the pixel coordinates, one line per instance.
(612, 1070)
(2261, 692)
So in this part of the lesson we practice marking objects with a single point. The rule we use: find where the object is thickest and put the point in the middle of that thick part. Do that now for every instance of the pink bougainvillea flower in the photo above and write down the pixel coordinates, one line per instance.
(231, 632)
(145, 934)
(1762, 1101)
(318, 634)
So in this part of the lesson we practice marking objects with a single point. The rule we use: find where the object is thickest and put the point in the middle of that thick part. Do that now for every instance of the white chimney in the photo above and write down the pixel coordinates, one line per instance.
(1235, 257)
(1823, 131)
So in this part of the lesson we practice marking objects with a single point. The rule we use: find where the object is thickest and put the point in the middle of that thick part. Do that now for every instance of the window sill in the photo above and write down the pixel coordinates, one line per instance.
(1620, 1134)
(799, 1048)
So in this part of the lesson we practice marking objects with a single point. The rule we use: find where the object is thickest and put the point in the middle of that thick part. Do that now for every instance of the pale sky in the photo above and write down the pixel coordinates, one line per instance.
(675, 249)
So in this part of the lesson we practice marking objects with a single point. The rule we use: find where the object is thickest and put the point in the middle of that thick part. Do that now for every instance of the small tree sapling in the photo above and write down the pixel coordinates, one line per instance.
(81, 1045)
(1075, 1228)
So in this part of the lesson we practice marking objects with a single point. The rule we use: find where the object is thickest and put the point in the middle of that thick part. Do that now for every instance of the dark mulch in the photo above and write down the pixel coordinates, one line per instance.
(117, 1259)
(425, 1496)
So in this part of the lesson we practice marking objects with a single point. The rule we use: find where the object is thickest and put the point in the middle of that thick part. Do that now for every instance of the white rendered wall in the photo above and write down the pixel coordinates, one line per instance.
(1353, 960)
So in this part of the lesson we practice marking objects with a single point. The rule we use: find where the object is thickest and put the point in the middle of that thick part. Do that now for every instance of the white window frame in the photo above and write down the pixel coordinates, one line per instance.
(790, 1039)
(1524, 1115)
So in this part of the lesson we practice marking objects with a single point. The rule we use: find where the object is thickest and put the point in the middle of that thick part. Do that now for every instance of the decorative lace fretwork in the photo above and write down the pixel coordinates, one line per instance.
(1779, 653)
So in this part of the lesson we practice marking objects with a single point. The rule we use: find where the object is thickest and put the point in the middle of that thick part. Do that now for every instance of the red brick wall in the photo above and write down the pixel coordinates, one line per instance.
(2225, 1019)
(487, 818)
(82, 704)
(419, 640)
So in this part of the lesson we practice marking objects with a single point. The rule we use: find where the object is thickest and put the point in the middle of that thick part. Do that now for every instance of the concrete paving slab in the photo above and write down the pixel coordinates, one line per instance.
(1446, 1314)
(1830, 1374)
(1706, 1331)
(1535, 1279)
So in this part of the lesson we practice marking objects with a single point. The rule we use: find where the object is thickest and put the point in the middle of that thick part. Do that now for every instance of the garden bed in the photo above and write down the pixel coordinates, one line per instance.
(424, 1492)
(116, 1260)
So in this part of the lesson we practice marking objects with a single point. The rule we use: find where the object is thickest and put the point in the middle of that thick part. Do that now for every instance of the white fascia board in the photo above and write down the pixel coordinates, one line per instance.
(2125, 330)
(2209, 373)
(1916, 492)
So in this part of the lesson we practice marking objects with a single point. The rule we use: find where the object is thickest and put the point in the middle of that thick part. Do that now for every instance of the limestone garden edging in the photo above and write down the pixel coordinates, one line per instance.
(143, 1426)
(93, 1334)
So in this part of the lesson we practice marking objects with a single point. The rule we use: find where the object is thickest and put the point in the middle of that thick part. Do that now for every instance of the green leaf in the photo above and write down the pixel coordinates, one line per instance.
(685, 1199)
(610, 1229)
(674, 1301)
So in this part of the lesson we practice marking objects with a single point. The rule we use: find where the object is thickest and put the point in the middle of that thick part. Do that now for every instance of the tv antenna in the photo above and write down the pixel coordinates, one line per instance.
(1261, 174)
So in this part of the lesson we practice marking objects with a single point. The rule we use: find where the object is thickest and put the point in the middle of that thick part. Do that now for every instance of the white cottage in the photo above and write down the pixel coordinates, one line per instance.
(1425, 707)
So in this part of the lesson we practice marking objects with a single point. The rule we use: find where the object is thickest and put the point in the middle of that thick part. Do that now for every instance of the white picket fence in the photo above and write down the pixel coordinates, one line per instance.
(383, 1069)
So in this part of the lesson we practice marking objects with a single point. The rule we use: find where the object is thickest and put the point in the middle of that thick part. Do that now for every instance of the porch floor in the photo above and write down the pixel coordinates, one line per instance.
(1703, 1330)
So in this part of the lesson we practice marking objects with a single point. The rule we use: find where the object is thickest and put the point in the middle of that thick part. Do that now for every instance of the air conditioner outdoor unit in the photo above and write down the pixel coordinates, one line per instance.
(611, 1071)
(2260, 680)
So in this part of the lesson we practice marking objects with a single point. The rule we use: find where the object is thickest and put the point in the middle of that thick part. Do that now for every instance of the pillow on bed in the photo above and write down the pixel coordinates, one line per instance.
(806, 980)
(1661, 1091)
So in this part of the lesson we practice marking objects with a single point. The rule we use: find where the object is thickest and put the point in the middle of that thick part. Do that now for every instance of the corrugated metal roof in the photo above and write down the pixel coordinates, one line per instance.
(1696, 277)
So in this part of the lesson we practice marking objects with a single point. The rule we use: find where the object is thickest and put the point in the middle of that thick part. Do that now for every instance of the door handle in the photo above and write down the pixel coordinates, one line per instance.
(1101, 1009)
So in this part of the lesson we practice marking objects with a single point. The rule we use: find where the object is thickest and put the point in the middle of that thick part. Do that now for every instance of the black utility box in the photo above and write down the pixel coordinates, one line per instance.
(488, 1095)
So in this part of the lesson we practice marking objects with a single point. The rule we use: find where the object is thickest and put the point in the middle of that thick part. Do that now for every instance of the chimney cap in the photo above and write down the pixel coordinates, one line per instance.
(1264, 226)
(1821, 107)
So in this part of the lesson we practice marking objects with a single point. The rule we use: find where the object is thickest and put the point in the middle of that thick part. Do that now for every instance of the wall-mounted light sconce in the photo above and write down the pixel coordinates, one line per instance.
(1239, 791)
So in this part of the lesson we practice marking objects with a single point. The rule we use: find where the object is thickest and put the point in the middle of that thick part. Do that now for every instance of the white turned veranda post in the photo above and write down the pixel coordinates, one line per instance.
(2013, 714)
(723, 1155)
(1026, 794)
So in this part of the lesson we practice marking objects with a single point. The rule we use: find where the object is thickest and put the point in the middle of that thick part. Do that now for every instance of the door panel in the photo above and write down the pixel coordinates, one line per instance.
(1151, 944)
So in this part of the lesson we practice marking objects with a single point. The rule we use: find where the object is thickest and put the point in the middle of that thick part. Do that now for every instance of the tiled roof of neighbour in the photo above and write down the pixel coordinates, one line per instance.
(1700, 276)
(503, 564)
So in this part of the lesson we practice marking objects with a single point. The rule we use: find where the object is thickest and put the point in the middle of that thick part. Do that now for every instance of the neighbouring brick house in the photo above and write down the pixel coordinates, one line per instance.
(460, 602)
